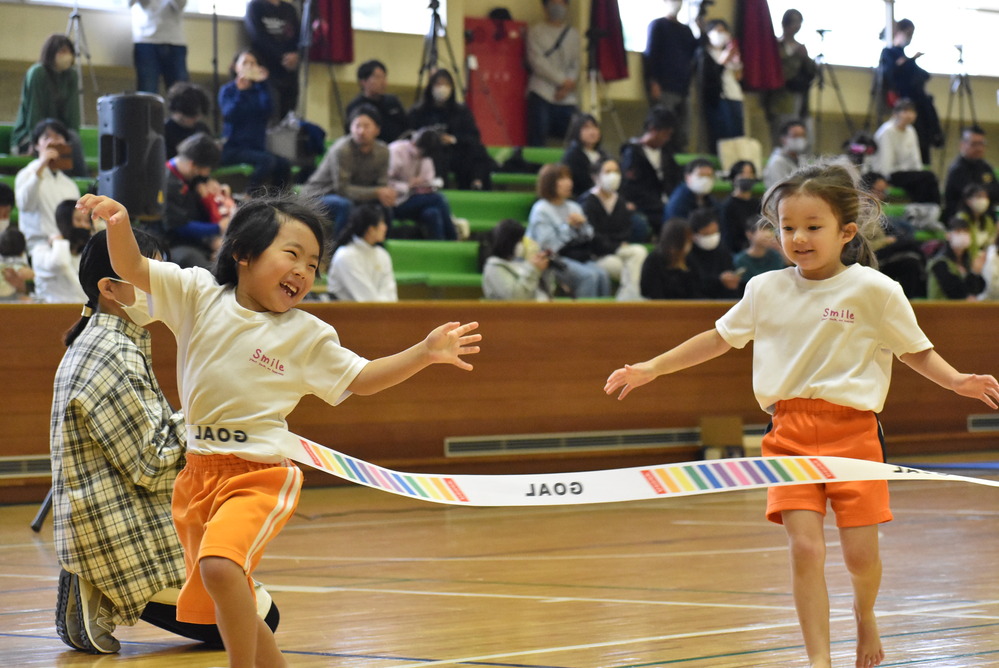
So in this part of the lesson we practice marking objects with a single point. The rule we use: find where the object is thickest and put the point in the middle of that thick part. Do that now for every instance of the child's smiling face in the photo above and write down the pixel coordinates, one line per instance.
(283, 274)
(812, 237)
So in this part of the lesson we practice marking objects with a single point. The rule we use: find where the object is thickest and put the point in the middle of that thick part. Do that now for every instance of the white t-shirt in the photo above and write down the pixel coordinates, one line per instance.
(898, 150)
(361, 272)
(831, 339)
(240, 372)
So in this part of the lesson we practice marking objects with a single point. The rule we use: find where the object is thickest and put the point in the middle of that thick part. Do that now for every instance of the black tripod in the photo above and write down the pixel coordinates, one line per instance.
(600, 101)
(428, 64)
(824, 70)
(960, 87)
(74, 30)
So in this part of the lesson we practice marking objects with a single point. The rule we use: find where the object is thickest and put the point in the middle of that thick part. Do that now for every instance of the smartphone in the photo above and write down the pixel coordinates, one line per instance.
(64, 163)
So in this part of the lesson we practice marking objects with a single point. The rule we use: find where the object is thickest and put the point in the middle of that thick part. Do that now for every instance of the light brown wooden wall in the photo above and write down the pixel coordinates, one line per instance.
(541, 370)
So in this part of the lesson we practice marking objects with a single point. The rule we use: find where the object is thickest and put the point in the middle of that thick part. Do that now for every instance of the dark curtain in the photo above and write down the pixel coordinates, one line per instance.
(332, 33)
(759, 47)
(605, 27)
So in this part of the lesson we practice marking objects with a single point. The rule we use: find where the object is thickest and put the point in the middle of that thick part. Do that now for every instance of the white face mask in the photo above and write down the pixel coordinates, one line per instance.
(959, 241)
(441, 93)
(797, 144)
(979, 205)
(719, 38)
(701, 185)
(610, 182)
(708, 242)
(138, 310)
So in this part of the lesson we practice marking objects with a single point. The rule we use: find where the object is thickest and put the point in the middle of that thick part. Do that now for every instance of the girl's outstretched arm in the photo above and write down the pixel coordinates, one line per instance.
(444, 345)
(930, 364)
(130, 264)
(695, 350)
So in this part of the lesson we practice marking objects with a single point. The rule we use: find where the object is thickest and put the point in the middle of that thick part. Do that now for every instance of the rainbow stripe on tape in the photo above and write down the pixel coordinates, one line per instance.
(627, 484)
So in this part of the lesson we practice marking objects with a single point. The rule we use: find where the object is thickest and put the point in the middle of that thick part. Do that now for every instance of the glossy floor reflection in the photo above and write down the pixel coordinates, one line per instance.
(366, 579)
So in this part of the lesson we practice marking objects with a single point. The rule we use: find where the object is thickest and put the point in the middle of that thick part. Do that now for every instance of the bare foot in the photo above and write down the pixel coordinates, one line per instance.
(869, 650)
(820, 663)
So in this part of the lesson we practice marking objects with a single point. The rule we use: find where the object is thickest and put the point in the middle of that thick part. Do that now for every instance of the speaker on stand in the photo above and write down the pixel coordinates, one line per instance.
(132, 153)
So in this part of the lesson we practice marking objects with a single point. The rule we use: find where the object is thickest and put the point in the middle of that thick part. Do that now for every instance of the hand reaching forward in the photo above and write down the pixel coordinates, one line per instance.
(104, 208)
(447, 343)
(983, 388)
(629, 377)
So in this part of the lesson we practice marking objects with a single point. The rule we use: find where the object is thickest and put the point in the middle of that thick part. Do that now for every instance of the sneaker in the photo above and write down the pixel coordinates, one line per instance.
(67, 616)
(95, 613)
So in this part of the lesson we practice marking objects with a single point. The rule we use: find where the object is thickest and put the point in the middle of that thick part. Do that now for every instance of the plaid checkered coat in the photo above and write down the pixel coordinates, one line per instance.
(116, 449)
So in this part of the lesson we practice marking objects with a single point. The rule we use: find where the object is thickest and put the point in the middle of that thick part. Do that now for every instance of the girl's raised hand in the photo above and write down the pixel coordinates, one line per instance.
(983, 388)
(105, 208)
(629, 377)
(447, 343)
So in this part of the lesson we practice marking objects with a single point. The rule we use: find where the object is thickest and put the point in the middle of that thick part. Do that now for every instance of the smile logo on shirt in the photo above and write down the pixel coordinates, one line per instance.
(838, 315)
(272, 364)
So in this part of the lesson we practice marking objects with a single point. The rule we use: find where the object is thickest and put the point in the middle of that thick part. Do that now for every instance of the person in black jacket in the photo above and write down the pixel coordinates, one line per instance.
(649, 170)
(463, 153)
(273, 27)
(665, 274)
(711, 263)
(372, 77)
(583, 152)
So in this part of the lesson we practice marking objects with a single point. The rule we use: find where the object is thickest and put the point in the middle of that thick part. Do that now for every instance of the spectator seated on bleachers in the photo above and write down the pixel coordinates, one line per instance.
(372, 77)
(583, 152)
(694, 192)
(15, 274)
(511, 272)
(354, 170)
(187, 106)
(412, 176)
(7, 203)
(648, 167)
(711, 263)
(361, 269)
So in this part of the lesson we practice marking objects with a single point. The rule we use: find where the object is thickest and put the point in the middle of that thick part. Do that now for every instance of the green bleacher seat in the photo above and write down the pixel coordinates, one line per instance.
(683, 158)
(515, 179)
(483, 209)
(543, 154)
(6, 130)
(438, 264)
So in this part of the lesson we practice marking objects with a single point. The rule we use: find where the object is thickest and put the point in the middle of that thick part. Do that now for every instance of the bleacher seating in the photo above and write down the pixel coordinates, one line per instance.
(483, 209)
(435, 264)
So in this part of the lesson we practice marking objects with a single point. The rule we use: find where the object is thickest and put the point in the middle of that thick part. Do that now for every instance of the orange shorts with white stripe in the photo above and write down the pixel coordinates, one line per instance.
(225, 506)
(814, 427)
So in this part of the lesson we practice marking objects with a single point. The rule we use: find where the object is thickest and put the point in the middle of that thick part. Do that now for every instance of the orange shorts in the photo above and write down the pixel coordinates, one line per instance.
(225, 506)
(813, 427)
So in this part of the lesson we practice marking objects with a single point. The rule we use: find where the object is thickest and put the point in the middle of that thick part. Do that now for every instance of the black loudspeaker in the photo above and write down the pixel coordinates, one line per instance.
(132, 152)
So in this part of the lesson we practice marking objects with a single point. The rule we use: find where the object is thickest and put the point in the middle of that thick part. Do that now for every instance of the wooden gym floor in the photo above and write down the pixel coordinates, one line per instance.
(369, 580)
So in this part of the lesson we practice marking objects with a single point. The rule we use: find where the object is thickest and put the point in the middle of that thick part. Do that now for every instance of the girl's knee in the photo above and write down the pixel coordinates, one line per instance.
(219, 571)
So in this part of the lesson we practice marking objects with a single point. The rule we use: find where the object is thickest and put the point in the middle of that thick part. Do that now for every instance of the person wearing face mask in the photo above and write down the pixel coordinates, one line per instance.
(740, 205)
(790, 101)
(57, 265)
(954, 273)
(711, 263)
(553, 50)
(976, 209)
(694, 192)
(969, 167)
(51, 89)
(901, 77)
(41, 185)
(462, 153)
(719, 70)
(898, 155)
(583, 152)
(789, 155)
(613, 221)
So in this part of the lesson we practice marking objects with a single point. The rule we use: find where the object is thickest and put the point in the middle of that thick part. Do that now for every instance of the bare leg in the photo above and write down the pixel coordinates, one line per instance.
(248, 641)
(811, 599)
(863, 560)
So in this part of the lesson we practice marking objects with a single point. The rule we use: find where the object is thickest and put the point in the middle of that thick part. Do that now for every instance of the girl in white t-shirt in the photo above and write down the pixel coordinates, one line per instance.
(825, 331)
(246, 356)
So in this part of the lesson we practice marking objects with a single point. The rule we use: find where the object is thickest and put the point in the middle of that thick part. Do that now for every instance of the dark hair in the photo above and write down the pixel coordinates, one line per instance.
(12, 242)
(51, 46)
(427, 98)
(702, 217)
(903, 104)
(696, 164)
(6, 195)
(201, 149)
(188, 99)
(64, 222)
(972, 188)
(791, 15)
(837, 184)
(673, 240)
(733, 172)
(598, 166)
(972, 130)
(253, 52)
(505, 237)
(716, 23)
(368, 110)
(659, 118)
(362, 217)
(787, 126)
(428, 141)
(548, 177)
(48, 124)
(255, 225)
(95, 264)
(868, 180)
(958, 223)
(368, 67)
(578, 121)
(905, 24)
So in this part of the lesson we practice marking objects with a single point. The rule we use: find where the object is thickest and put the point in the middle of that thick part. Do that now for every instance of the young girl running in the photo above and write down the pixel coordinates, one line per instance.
(825, 331)
(246, 356)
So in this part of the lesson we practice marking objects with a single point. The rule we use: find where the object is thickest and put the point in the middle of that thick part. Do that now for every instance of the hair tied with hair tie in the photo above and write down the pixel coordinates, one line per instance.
(86, 312)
